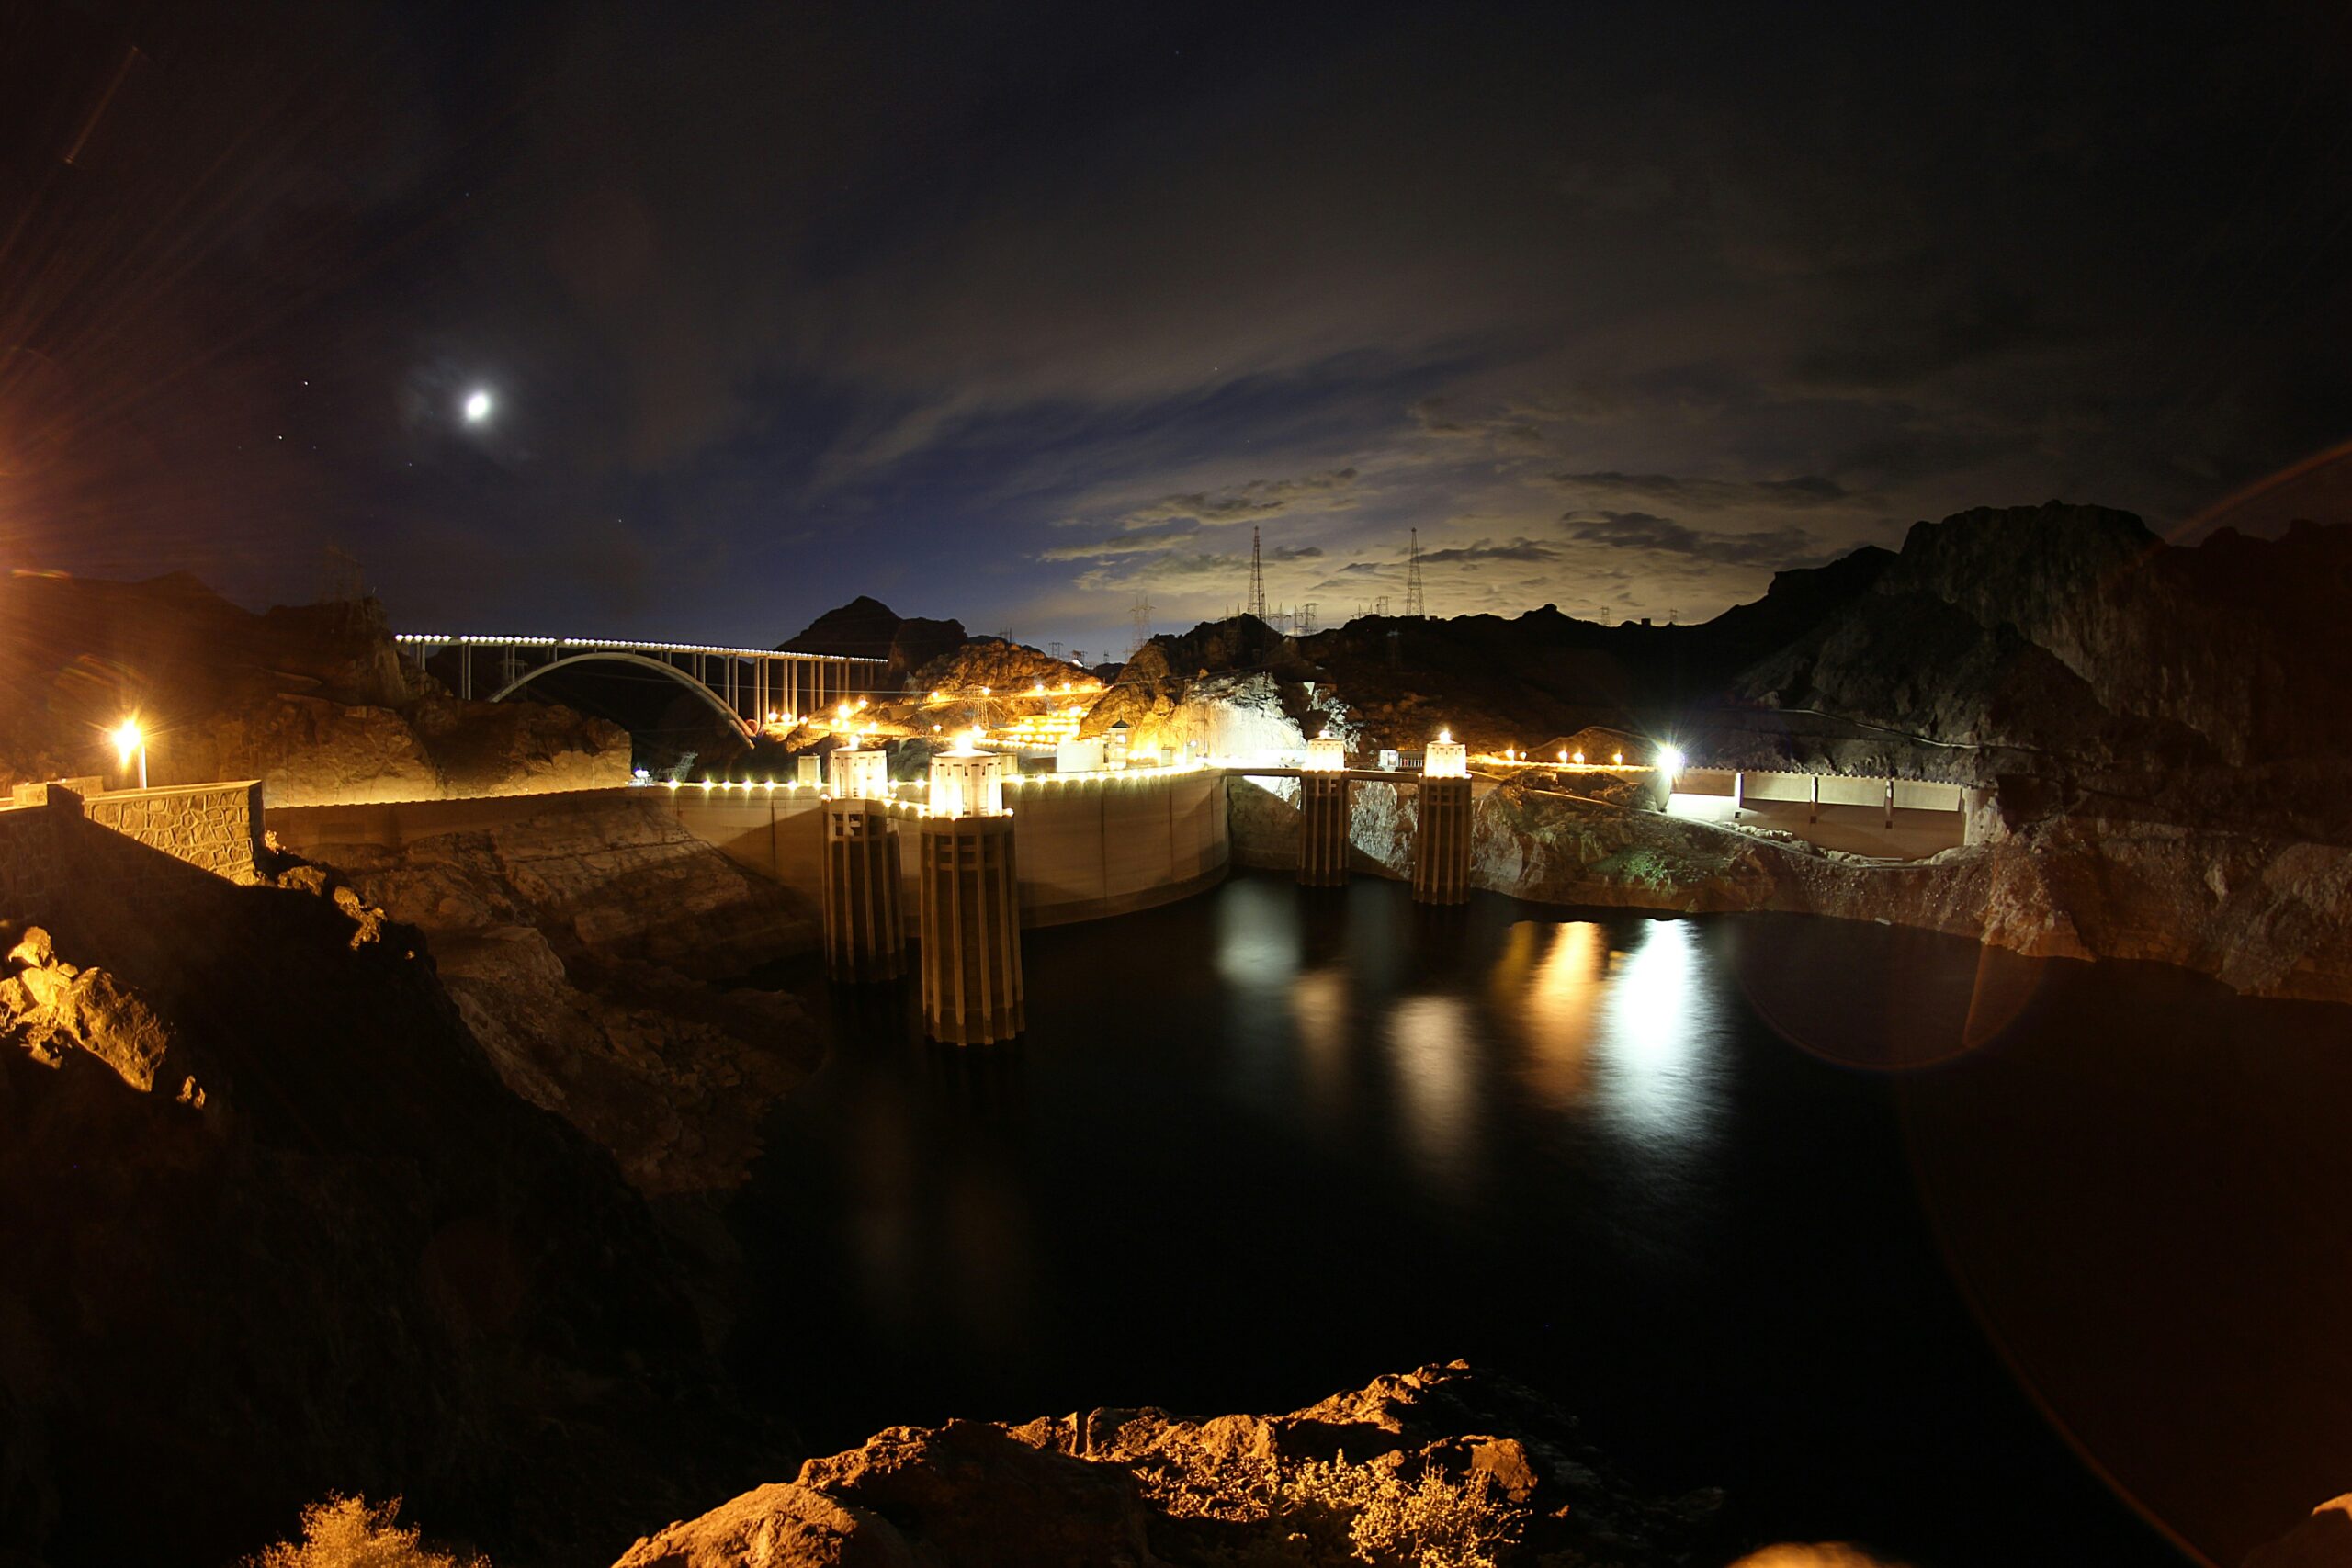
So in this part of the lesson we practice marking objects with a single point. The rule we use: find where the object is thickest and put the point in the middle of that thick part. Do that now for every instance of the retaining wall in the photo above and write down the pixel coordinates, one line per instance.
(214, 826)
(62, 857)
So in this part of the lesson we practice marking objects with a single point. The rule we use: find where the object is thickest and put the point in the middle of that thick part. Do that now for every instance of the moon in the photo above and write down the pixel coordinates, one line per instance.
(476, 407)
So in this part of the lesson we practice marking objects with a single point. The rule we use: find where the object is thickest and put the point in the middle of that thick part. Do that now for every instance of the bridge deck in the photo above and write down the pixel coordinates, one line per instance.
(623, 645)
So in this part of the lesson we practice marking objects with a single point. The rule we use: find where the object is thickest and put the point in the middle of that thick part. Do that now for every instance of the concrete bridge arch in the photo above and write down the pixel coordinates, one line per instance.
(746, 728)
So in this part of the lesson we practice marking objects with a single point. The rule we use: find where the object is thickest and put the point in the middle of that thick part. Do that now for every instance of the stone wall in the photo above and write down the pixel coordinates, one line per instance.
(214, 826)
(36, 872)
(54, 861)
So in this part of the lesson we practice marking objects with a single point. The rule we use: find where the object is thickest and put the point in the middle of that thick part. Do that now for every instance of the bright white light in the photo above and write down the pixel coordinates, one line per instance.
(477, 406)
(1670, 759)
(1658, 1077)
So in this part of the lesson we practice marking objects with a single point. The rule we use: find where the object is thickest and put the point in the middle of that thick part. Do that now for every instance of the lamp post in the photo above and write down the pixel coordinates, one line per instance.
(129, 740)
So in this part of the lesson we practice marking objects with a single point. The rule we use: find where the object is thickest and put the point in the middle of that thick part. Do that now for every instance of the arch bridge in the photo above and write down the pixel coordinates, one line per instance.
(750, 686)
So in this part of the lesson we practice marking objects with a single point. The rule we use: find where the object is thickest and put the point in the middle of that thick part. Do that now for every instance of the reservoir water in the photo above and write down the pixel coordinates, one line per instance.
(1967, 1259)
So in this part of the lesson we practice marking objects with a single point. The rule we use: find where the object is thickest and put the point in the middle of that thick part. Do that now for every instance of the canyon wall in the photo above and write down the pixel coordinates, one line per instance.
(2268, 916)
(575, 933)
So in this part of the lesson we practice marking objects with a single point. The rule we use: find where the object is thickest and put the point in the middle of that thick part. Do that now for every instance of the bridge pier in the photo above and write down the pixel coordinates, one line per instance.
(972, 992)
(865, 938)
(1322, 830)
(1442, 843)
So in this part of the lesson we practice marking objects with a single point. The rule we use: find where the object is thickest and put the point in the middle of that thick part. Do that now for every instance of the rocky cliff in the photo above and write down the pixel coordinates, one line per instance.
(2070, 642)
(2266, 916)
(1438, 1468)
(313, 701)
(575, 938)
(276, 1228)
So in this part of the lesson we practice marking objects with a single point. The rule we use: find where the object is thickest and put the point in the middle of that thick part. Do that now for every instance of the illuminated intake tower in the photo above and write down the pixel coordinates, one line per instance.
(865, 938)
(970, 904)
(1442, 841)
(1323, 814)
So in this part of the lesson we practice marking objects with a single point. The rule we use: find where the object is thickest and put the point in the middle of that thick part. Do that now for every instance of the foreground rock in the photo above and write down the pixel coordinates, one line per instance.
(275, 1231)
(576, 937)
(1434, 1468)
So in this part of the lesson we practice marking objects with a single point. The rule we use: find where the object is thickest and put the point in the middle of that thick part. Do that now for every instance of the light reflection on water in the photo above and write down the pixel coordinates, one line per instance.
(1275, 1141)
(1658, 1057)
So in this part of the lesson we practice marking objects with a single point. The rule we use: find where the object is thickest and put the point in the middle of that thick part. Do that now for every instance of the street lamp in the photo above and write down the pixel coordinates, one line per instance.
(129, 740)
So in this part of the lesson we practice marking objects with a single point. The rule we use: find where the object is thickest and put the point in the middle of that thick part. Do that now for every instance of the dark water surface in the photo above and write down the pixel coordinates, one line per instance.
(1847, 1220)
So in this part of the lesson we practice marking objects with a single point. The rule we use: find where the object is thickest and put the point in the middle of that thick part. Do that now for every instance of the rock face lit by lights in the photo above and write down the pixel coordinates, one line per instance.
(1327, 754)
(1447, 758)
(966, 782)
(860, 775)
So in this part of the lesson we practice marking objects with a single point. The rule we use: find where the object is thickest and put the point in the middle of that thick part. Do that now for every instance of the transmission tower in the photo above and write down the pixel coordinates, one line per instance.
(1139, 613)
(1257, 579)
(1414, 610)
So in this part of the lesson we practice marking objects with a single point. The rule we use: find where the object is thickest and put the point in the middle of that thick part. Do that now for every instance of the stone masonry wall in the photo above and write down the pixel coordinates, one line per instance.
(214, 826)
(36, 869)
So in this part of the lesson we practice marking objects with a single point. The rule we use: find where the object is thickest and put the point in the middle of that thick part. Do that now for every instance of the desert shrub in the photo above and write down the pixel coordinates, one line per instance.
(1332, 1513)
(1431, 1521)
(351, 1533)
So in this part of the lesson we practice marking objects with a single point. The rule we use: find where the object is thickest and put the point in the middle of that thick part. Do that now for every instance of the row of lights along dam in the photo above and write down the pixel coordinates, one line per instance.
(968, 917)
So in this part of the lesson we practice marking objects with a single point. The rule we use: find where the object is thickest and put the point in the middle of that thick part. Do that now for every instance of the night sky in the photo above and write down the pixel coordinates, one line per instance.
(1011, 313)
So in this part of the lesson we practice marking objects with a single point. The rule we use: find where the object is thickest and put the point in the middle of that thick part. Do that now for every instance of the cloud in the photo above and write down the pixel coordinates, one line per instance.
(1527, 550)
(1664, 536)
(1305, 552)
(1804, 492)
(1251, 502)
(1133, 541)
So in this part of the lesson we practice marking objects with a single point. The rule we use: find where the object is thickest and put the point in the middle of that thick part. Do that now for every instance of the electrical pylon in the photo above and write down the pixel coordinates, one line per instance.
(1257, 579)
(1414, 610)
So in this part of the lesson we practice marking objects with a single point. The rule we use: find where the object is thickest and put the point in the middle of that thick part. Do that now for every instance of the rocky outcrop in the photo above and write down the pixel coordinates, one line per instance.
(1493, 681)
(1442, 1466)
(996, 663)
(863, 629)
(1225, 715)
(575, 938)
(314, 701)
(275, 1231)
(2059, 638)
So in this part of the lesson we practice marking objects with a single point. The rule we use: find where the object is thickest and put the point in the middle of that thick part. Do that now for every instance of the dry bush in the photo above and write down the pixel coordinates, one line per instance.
(1428, 1522)
(1332, 1513)
(351, 1533)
